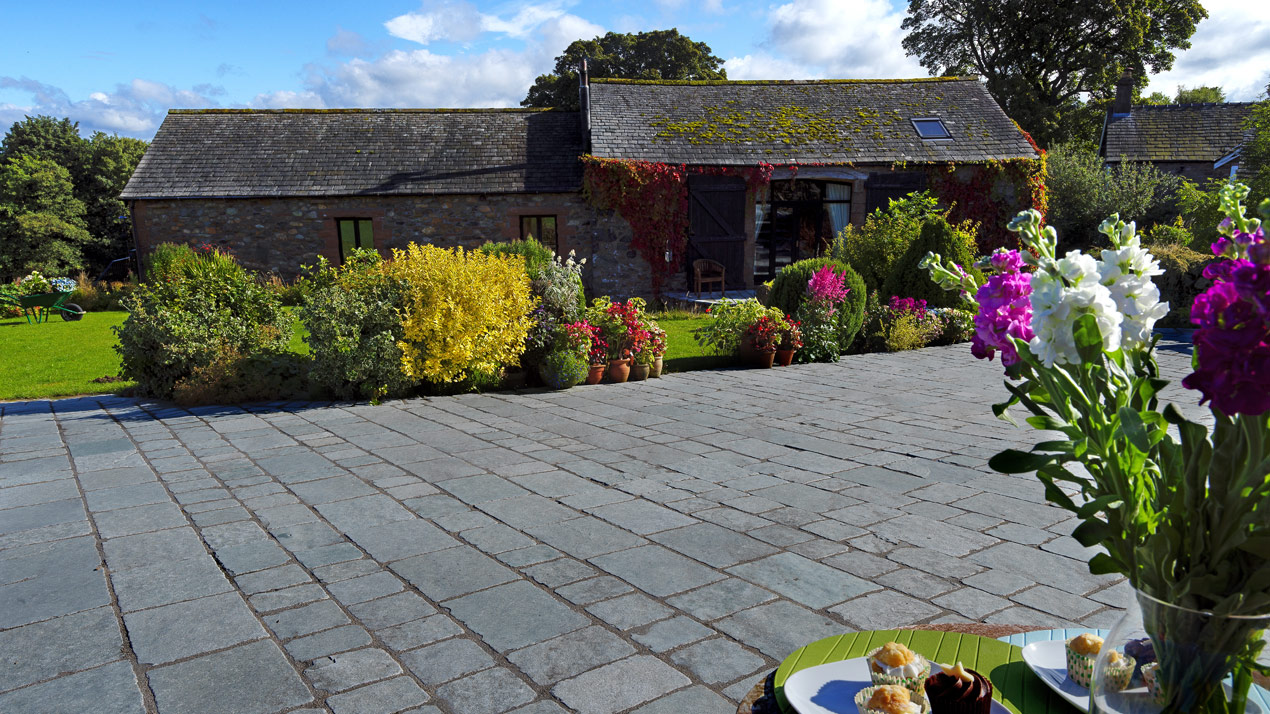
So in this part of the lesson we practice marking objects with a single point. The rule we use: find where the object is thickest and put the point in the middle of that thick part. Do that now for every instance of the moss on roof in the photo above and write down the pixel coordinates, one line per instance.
(365, 111)
(759, 82)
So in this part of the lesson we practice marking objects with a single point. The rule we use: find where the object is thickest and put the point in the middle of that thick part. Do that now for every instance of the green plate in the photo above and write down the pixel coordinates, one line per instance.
(1013, 684)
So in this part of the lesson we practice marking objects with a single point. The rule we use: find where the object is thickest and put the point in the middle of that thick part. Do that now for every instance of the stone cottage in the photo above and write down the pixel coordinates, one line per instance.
(1195, 141)
(280, 187)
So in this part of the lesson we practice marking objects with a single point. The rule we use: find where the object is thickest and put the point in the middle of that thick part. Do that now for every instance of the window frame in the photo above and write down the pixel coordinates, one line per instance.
(917, 126)
(538, 218)
(358, 242)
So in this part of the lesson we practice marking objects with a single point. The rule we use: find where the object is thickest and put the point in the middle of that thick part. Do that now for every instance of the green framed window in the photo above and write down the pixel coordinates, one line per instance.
(354, 233)
(541, 228)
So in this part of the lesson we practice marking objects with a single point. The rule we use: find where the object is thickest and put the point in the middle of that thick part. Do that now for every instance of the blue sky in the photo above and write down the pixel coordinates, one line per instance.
(118, 67)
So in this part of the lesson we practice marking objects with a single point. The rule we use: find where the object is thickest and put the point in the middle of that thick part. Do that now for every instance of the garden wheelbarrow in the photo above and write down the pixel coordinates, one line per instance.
(41, 305)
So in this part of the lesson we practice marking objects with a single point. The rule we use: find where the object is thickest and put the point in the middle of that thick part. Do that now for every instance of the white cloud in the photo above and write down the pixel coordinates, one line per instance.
(496, 77)
(763, 65)
(133, 109)
(1230, 49)
(813, 35)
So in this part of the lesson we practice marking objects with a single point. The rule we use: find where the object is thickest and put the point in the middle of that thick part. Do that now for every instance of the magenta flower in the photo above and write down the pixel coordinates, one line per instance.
(1232, 339)
(1005, 310)
(826, 286)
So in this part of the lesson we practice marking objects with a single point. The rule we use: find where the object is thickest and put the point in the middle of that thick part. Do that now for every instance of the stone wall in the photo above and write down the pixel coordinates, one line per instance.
(279, 235)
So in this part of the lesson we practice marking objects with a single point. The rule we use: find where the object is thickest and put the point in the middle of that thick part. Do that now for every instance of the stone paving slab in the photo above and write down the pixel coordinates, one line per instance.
(648, 547)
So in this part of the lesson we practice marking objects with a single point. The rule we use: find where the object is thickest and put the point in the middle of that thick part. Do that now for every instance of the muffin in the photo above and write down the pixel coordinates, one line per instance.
(890, 699)
(1119, 670)
(894, 663)
(1149, 674)
(958, 690)
(1082, 650)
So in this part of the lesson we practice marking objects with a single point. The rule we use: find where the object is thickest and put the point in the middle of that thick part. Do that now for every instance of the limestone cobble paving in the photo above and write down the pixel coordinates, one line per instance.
(645, 547)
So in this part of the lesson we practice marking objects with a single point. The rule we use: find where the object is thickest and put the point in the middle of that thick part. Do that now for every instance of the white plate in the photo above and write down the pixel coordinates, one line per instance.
(831, 688)
(1049, 661)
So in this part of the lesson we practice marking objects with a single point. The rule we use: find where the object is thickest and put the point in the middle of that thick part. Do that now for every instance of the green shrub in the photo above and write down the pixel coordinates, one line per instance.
(290, 294)
(1169, 234)
(168, 260)
(729, 321)
(1083, 191)
(536, 255)
(353, 314)
(1183, 280)
(906, 279)
(203, 310)
(1201, 211)
(789, 292)
(563, 368)
(874, 248)
(231, 378)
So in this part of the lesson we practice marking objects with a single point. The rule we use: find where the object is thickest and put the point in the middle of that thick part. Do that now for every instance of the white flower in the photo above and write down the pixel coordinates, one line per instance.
(1062, 291)
(1127, 273)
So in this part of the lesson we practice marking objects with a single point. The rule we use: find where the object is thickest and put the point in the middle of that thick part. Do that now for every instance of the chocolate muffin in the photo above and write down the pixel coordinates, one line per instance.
(958, 690)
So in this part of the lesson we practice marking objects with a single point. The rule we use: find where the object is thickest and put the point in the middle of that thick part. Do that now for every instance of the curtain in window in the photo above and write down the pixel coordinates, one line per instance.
(840, 213)
(761, 209)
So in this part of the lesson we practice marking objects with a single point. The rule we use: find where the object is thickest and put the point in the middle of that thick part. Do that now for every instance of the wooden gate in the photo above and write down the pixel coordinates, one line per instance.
(881, 188)
(716, 225)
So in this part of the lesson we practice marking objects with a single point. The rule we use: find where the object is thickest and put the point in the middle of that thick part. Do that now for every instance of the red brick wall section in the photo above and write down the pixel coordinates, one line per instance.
(281, 234)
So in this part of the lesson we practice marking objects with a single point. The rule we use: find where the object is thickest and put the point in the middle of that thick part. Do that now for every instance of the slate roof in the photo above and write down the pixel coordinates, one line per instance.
(254, 153)
(1176, 132)
(782, 122)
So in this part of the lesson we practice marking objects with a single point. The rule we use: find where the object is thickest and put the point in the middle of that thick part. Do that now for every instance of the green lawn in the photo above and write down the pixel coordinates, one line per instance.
(59, 358)
(683, 354)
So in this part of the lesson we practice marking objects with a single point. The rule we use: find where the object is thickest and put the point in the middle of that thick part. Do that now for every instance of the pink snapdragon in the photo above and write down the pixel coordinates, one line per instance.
(1005, 310)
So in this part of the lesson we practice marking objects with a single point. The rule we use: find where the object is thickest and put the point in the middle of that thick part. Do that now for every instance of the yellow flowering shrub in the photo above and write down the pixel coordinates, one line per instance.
(465, 312)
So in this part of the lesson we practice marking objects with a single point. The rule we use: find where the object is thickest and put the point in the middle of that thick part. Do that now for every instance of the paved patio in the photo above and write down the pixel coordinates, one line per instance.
(649, 547)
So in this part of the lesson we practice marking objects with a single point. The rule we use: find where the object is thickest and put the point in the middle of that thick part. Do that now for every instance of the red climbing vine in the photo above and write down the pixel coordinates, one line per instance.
(653, 198)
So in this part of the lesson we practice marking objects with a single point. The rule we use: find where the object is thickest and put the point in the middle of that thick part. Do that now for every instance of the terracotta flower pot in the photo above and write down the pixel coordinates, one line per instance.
(785, 357)
(595, 374)
(655, 372)
(764, 359)
(619, 370)
(639, 372)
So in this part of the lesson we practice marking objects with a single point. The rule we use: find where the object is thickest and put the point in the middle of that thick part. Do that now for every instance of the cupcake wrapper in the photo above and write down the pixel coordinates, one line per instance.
(1149, 672)
(916, 684)
(862, 701)
(1080, 668)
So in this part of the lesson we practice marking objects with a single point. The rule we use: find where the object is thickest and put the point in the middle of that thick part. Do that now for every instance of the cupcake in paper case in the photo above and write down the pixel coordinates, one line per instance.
(894, 663)
(1149, 673)
(957, 690)
(890, 699)
(1119, 671)
(1082, 650)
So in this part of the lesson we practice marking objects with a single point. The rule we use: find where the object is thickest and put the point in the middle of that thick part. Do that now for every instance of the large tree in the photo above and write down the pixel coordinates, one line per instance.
(41, 221)
(1041, 58)
(98, 168)
(660, 54)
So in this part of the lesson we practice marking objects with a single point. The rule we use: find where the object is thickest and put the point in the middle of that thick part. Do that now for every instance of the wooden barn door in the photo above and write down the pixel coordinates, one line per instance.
(716, 225)
(881, 188)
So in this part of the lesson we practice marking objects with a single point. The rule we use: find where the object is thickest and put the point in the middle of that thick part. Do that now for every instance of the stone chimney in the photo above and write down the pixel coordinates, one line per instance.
(1124, 95)
(584, 103)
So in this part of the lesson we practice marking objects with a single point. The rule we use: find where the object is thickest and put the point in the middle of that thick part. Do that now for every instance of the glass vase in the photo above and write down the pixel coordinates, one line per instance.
(1186, 661)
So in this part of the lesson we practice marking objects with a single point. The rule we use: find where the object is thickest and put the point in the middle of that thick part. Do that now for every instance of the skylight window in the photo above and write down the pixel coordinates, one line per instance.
(931, 129)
